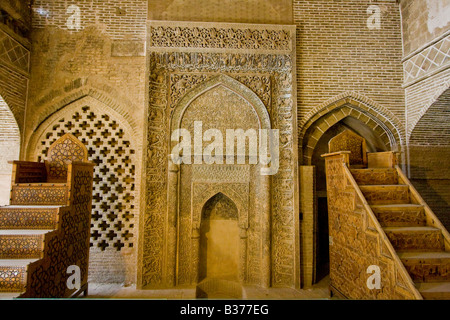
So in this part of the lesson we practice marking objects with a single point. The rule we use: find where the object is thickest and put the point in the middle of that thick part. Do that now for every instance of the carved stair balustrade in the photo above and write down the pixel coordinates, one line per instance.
(45, 231)
(376, 217)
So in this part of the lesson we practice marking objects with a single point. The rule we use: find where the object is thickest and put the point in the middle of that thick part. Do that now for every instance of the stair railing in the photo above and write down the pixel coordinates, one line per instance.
(432, 219)
(399, 264)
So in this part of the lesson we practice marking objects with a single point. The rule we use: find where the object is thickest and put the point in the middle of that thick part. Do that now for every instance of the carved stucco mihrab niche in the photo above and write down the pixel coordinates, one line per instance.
(228, 76)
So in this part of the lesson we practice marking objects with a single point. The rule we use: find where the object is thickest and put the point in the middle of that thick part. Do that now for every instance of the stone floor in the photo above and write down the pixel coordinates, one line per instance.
(116, 291)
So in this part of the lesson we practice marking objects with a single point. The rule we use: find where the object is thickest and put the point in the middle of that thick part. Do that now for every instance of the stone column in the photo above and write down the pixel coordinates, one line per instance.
(172, 219)
(266, 226)
(243, 255)
(195, 254)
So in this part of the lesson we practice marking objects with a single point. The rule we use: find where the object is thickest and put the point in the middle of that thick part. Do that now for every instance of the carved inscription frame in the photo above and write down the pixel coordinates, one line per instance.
(258, 63)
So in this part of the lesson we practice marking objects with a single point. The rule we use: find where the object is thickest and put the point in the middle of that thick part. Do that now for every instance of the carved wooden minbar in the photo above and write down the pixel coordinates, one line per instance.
(50, 213)
(377, 218)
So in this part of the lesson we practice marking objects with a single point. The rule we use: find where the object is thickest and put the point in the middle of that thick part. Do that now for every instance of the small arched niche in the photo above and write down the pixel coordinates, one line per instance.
(219, 239)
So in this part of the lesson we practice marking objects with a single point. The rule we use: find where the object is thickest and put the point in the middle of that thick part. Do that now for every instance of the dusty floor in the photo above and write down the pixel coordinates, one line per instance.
(117, 291)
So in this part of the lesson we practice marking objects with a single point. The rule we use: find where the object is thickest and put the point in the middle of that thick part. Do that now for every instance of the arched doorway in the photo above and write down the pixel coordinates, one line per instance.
(352, 111)
(374, 144)
(9, 149)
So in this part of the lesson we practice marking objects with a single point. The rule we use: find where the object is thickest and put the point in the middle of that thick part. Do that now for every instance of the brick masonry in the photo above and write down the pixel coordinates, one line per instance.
(426, 64)
(336, 53)
(103, 59)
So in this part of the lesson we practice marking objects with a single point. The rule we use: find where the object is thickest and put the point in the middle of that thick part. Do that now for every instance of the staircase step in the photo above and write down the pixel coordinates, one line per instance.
(375, 176)
(427, 266)
(13, 276)
(22, 244)
(400, 215)
(386, 194)
(434, 290)
(415, 238)
(53, 194)
(29, 217)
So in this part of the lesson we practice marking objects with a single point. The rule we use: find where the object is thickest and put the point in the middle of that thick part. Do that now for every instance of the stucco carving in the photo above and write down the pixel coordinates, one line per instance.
(179, 74)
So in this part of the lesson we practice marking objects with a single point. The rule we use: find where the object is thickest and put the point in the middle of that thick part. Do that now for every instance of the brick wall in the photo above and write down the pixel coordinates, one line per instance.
(337, 52)
(14, 76)
(9, 149)
(430, 174)
(242, 11)
(105, 60)
(120, 19)
(426, 41)
(423, 21)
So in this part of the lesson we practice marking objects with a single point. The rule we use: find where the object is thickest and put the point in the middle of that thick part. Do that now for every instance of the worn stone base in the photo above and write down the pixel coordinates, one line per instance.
(117, 291)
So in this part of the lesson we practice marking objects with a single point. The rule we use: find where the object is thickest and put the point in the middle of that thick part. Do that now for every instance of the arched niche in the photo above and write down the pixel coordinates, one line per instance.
(378, 122)
(219, 239)
(226, 82)
(225, 112)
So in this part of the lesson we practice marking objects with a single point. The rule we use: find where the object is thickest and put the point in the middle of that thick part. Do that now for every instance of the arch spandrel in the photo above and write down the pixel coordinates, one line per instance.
(231, 84)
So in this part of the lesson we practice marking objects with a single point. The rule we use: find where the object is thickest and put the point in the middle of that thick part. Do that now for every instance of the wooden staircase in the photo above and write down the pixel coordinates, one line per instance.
(420, 240)
(22, 234)
(46, 228)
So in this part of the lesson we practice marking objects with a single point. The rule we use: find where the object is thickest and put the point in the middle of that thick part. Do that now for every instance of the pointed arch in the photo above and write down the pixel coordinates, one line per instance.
(235, 86)
(10, 143)
(58, 98)
(222, 196)
(88, 100)
(229, 190)
(350, 104)
(437, 105)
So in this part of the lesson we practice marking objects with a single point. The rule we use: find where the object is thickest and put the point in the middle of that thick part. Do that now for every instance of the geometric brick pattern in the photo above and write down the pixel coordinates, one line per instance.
(114, 173)
(13, 53)
(428, 60)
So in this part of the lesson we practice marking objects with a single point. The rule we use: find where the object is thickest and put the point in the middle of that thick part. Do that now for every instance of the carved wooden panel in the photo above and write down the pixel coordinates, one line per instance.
(350, 141)
(12, 278)
(66, 246)
(355, 244)
(61, 152)
(39, 218)
(21, 246)
(39, 195)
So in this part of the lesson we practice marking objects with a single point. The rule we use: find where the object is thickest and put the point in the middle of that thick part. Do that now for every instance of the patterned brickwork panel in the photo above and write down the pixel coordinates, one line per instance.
(114, 173)
(64, 150)
(13, 53)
